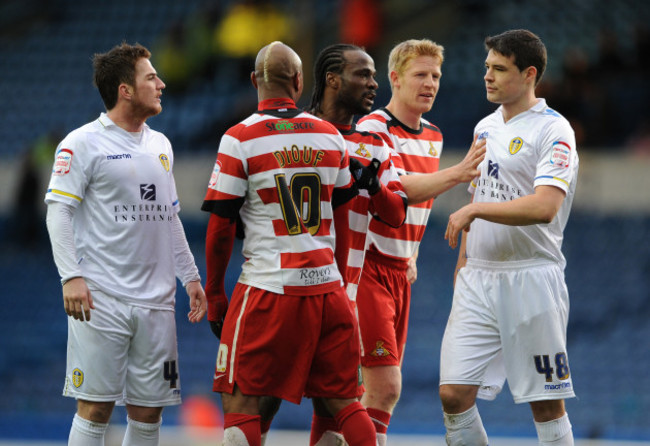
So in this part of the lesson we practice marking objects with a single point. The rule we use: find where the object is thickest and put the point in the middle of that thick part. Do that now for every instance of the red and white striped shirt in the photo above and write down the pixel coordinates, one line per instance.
(416, 152)
(280, 169)
(389, 207)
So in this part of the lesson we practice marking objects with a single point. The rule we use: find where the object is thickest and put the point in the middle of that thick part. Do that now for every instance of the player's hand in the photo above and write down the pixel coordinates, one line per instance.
(411, 270)
(365, 177)
(77, 300)
(468, 167)
(458, 221)
(217, 308)
(198, 302)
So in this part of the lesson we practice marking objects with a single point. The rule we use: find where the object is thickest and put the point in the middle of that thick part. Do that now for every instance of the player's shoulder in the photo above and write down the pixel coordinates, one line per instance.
(551, 123)
(367, 144)
(428, 126)
(83, 135)
(262, 124)
(551, 115)
(367, 136)
(380, 115)
(377, 121)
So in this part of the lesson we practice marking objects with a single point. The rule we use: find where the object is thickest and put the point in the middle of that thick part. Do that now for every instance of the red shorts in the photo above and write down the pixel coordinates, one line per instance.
(289, 346)
(383, 301)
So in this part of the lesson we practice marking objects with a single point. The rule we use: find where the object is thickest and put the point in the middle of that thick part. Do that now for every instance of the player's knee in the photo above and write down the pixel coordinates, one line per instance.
(141, 414)
(387, 395)
(456, 399)
(99, 412)
(547, 410)
(269, 406)
(393, 391)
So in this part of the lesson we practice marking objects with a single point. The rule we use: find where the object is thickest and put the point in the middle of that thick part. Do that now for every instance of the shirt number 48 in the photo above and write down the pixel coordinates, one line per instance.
(543, 366)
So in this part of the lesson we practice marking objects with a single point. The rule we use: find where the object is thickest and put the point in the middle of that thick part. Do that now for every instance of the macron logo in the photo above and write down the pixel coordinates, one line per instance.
(118, 157)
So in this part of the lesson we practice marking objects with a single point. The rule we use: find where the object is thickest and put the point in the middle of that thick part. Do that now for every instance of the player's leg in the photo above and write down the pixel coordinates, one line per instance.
(324, 428)
(538, 366)
(241, 419)
(353, 421)
(470, 360)
(96, 368)
(153, 378)
(383, 388)
(142, 426)
(461, 417)
(383, 300)
(269, 406)
(335, 374)
(90, 423)
(552, 423)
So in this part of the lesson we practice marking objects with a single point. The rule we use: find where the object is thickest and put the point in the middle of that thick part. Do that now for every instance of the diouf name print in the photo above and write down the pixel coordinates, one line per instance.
(295, 155)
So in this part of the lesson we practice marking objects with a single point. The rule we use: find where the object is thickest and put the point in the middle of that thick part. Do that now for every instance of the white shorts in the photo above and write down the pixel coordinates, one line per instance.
(125, 353)
(509, 320)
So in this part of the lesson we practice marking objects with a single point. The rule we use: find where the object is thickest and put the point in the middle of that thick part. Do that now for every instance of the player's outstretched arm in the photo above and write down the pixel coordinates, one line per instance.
(420, 188)
(198, 302)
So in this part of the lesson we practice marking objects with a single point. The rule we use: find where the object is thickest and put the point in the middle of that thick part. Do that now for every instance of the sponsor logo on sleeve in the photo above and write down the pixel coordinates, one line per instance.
(215, 175)
(63, 162)
(561, 154)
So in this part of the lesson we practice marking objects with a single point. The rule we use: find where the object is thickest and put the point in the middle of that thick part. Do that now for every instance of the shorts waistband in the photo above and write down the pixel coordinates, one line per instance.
(509, 265)
(383, 259)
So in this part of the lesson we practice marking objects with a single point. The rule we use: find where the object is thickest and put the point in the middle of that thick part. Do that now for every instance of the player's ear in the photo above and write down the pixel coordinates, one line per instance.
(298, 82)
(394, 79)
(126, 91)
(333, 80)
(254, 79)
(531, 74)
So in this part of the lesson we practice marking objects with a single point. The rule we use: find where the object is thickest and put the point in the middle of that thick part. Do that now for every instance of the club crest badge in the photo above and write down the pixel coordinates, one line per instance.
(432, 149)
(515, 145)
(164, 160)
(380, 350)
(362, 151)
(77, 378)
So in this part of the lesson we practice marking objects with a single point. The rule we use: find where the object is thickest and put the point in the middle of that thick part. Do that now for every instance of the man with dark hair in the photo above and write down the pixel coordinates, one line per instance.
(289, 330)
(119, 245)
(511, 305)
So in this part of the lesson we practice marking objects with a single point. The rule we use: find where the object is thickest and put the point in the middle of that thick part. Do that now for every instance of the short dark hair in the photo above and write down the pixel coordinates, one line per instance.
(527, 47)
(116, 67)
(330, 59)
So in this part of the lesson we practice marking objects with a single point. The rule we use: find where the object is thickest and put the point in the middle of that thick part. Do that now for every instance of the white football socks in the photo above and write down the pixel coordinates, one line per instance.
(86, 433)
(555, 432)
(465, 429)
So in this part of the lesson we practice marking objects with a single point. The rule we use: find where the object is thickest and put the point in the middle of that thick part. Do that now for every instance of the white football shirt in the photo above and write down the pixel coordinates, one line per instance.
(124, 193)
(535, 148)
